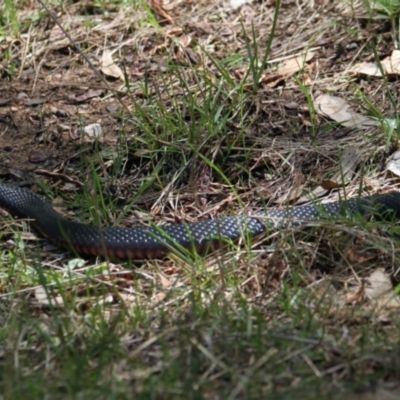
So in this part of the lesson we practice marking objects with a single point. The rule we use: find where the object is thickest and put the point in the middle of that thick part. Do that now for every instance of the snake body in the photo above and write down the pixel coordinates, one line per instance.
(154, 242)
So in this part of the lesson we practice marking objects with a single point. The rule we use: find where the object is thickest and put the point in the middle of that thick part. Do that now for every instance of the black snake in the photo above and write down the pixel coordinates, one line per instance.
(154, 242)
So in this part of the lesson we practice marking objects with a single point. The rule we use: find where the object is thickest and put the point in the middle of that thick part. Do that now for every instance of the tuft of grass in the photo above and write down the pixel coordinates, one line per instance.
(387, 8)
(257, 65)
(8, 17)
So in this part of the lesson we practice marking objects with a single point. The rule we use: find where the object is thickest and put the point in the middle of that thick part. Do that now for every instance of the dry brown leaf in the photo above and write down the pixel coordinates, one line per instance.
(339, 110)
(57, 39)
(329, 184)
(158, 7)
(174, 31)
(304, 120)
(91, 94)
(288, 69)
(355, 256)
(109, 68)
(355, 296)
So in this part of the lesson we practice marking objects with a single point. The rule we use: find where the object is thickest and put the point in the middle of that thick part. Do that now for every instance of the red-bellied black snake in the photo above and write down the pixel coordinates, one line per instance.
(154, 242)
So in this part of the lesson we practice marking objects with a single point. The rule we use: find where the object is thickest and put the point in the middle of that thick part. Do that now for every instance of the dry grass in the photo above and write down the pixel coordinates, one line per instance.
(197, 128)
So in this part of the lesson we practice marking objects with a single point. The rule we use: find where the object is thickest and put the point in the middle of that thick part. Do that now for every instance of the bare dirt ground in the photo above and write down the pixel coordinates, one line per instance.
(187, 133)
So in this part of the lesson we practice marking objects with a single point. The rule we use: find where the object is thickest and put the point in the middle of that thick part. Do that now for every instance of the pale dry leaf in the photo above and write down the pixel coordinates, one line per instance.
(349, 161)
(380, 284)
(109, 299)
(367, 68)
(109, 68)
(165, 282)
(296, 64)
(238, 3)
(393, 163)
(390, 66)
(117, 22)
(93, 131)
(158, 297)
(380, 290)
(43, 299)
(185, 40)
(339, 110)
